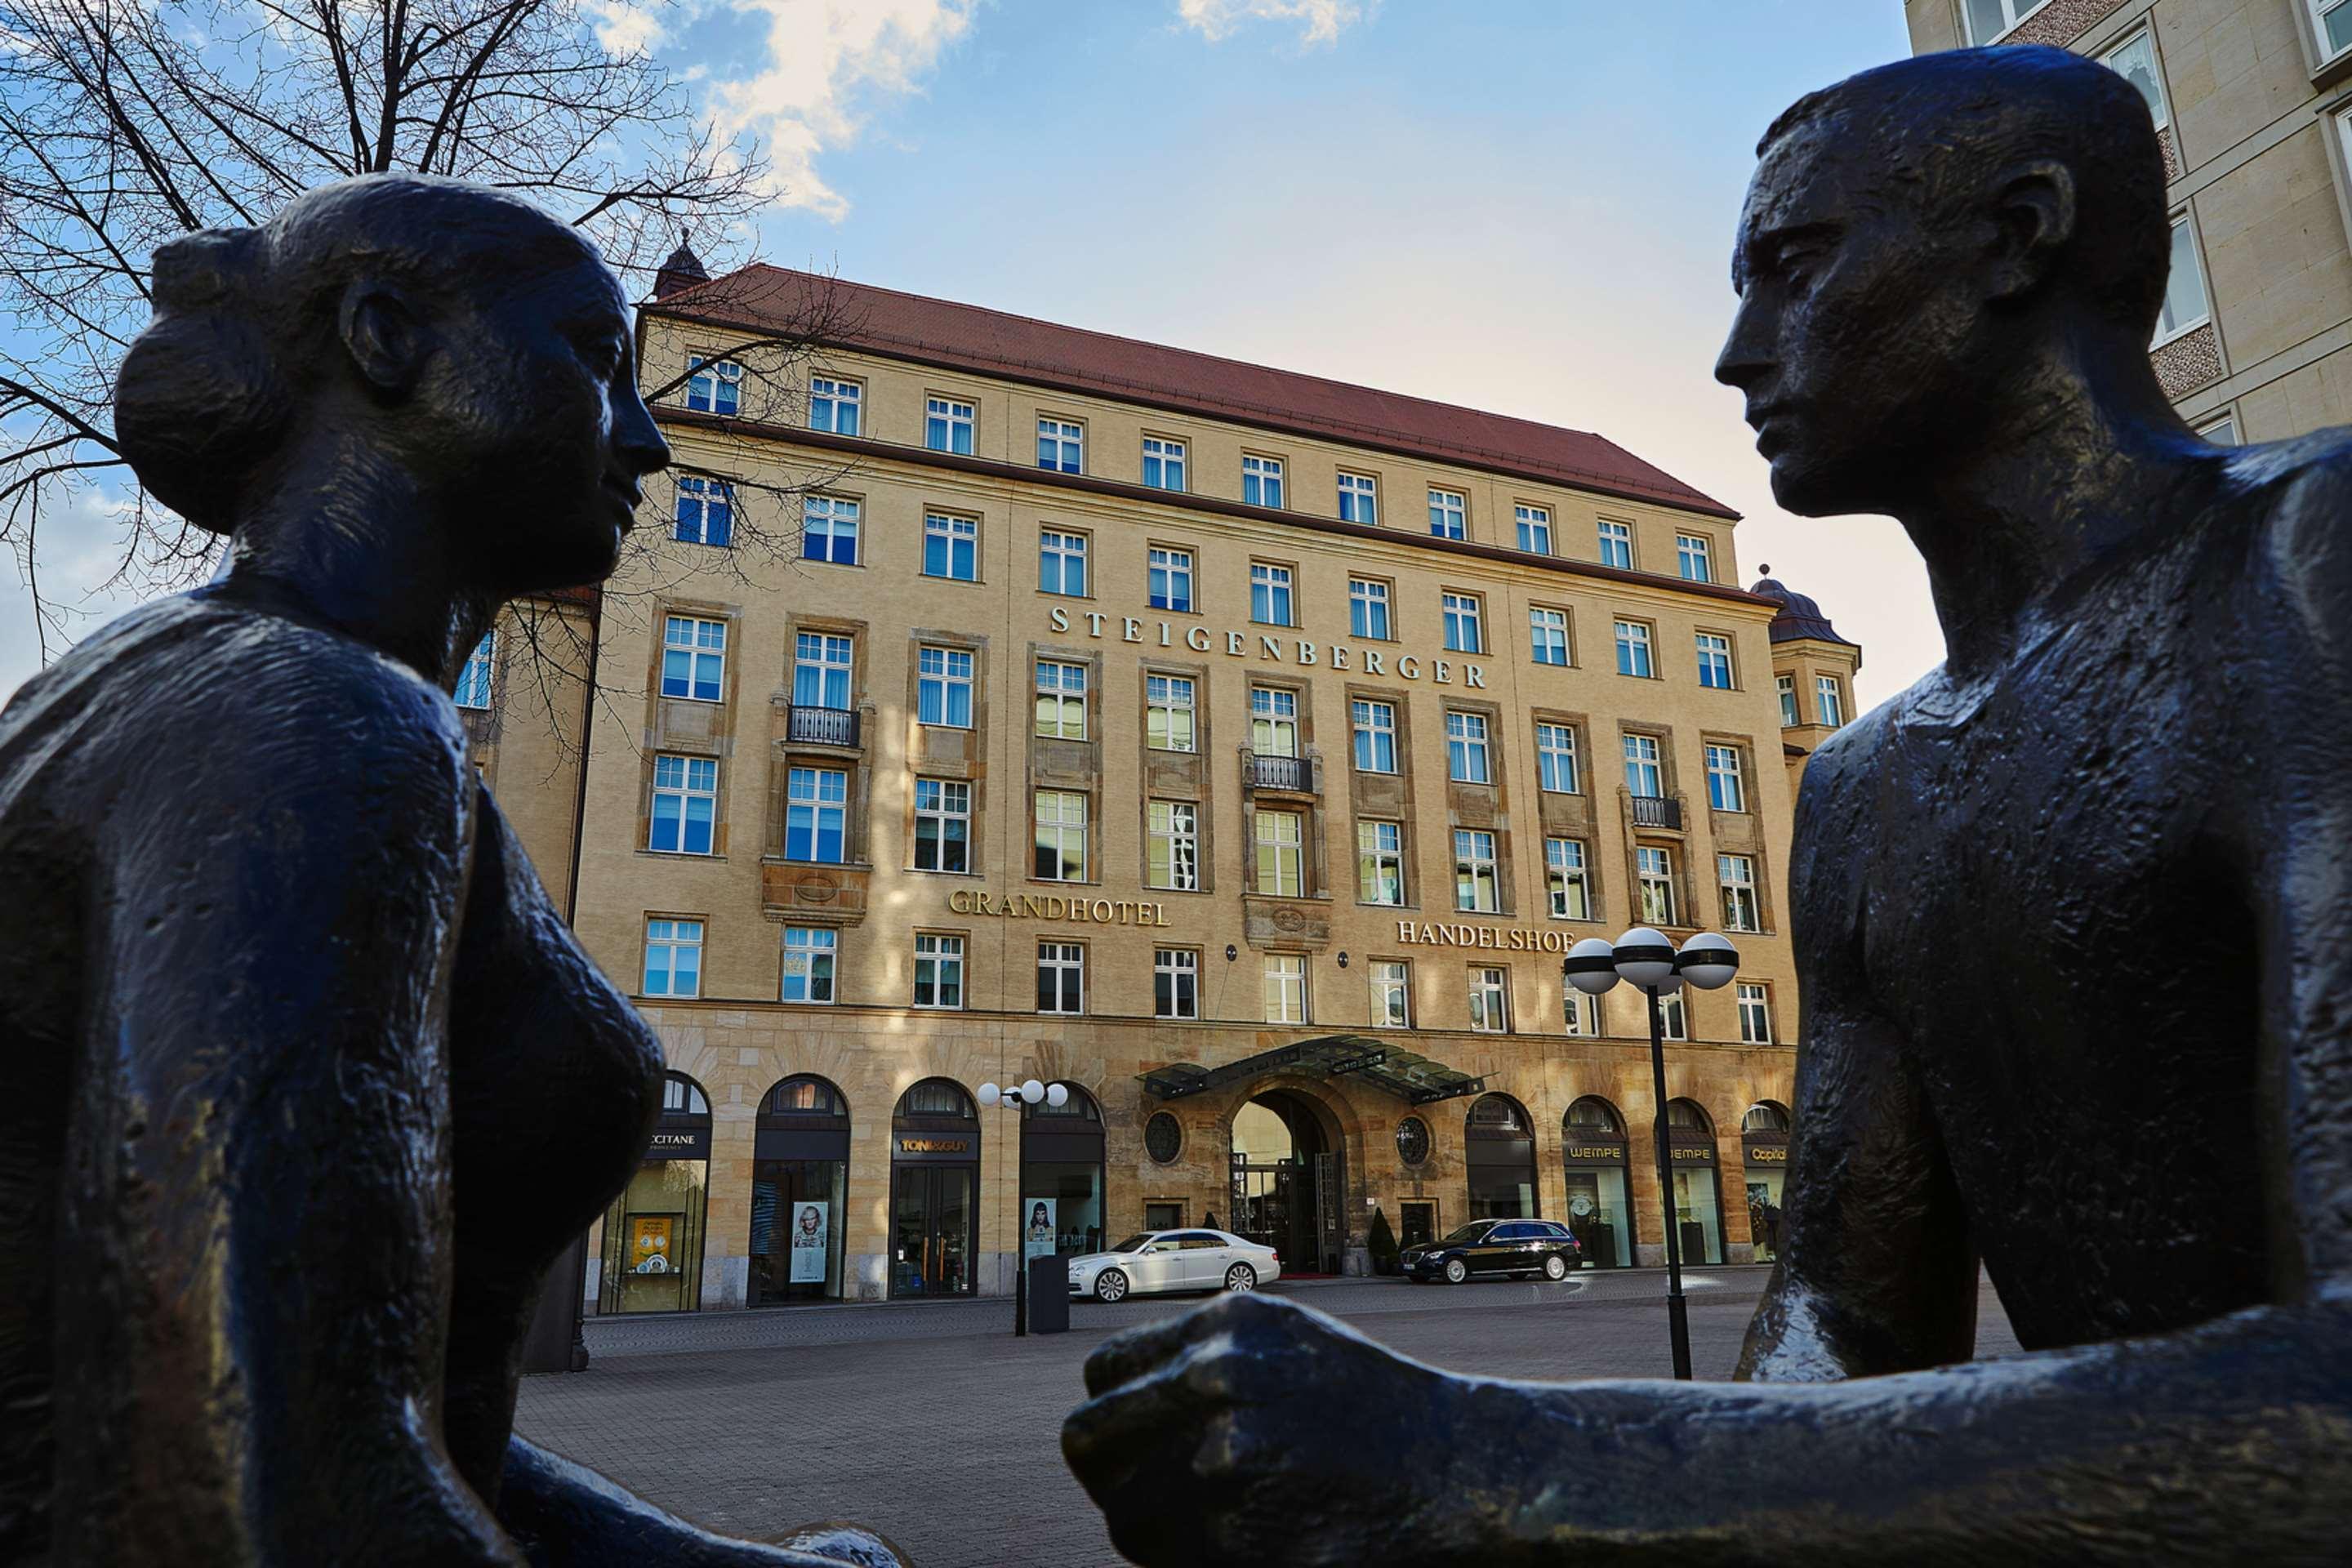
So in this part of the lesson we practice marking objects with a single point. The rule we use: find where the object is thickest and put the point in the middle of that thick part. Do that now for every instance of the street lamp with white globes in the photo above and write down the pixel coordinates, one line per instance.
(1648, 962)
(1019, 1099)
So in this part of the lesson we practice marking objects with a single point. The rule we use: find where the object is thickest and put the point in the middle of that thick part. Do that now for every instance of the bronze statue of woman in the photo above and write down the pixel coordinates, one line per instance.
(2074, 920)
(312, 1085)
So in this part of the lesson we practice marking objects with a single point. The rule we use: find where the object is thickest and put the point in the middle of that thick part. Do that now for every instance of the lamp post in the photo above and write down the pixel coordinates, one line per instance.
(1647, 961)
(1018, 1098)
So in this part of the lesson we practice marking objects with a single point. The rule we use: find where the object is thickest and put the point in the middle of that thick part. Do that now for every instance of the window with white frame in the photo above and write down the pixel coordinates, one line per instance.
(1617, 544)
(1476, 884)
(943, 688)
(1375, 733)
(1163, 463)
(1379, 862)
(829, 529)
(1673, 1017)
(1171, 579)
(1173, 846)
(1061, 563)
(1829, 696)
(1535, 528)
(673, 958)
(1392, 994)
(836, 404)
(1490, 992)
(1566, 880)
(2185, 305)
(1286, 988)
(938, 970)
(1359, 499)
(2221, 432)
(706, 512)
(715, 388)
(686, 805)
(1466, 748)
(2334, 20)
(809, 953)
(694, 657)
(1274, 721)
(1061, 446)
(1061, 700)
(1737, 876)
(1463, 613)
(816, 814)
(474, 679)
(1262, 482)
(942, 824)
(947, 425)
(950, 547)
(1691, 558)
(1555, 767)
(821, 670)
(1643, 774)
(1547, 635)
(1449, 514)
(1633, 648)
(1061, 977)
(1367, 608)
(1175, 983)
(1786, 685)
(2134, 59)
(1270, 594)
(1655, 868)
(1061, 836)
(1755, 1013)
(1168, 712)
(1726, 789)
(1579, 1013)
(1715, 661)
(1281, 854)
(1991, 19)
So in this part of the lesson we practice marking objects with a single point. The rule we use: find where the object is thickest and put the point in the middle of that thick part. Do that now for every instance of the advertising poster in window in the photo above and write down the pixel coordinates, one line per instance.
(650, 1239)
(808, 1243)
(1037, 1236)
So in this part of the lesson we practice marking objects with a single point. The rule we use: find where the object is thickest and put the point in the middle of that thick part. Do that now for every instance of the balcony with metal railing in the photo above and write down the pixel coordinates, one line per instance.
(1657, 811)
(1287, 774)
(806, 726)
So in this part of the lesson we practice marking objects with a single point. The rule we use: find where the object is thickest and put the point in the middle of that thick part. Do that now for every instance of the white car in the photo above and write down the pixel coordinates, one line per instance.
(1166, 1261)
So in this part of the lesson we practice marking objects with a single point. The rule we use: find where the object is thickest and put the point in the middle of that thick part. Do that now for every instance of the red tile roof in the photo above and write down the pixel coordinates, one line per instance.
(941, 332)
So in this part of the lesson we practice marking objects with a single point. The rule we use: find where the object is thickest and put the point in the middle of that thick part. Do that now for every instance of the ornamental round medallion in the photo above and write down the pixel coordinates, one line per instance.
(1290, 922)
(1412, 1139)
(1163, 1137)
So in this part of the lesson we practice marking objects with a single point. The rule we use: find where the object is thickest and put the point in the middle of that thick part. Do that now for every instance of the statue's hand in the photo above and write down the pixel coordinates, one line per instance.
(1253, 1431)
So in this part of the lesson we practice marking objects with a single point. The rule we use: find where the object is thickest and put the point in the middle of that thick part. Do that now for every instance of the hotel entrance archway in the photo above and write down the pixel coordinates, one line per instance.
(1289, 1181)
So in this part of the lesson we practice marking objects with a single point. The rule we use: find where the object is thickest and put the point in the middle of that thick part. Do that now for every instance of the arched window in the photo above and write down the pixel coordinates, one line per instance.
(799, 1186)
(652, 1253)
(1500, 1152)
(1061, 1176)
(1764, 1117)
(934, 1191)
(937, 1096)
(1686, 1114)
(682, 1096)
(1594, 1157)
(804, 1096)
(1079, 1105)
(1595, 1116)
(1764, 1152)
(1698, 1209)
(1497, 1114)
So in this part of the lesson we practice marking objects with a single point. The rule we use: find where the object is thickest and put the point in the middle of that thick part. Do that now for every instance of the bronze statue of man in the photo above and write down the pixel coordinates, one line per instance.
(309, 1083)
(2074, 918)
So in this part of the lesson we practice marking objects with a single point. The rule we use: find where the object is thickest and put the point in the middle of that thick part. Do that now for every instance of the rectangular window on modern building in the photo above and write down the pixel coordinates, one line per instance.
(706, 512)
(821, 670)
(950, 547)
(1547, 635)
(1737, 876)
(1061, 836)
(1656, 867)
(2185, 305)
(2223, 432)
(1168, 713)
(715, 388)
(836, 404)
(943, 688)
(474, 679)
(829, 529)
(938, 970)
(1643, 774)
(816, 814)
(1464, 615)
(1726, 787)
(1392, 994)
(1359, 499)
(1633, 648)
(1830, 698)
(1281, 854)
(1175, 983)
(947, 425)
(1755, 1013)
(1061, 446)
(1163, 463)
(673, 958)
(1270, 594)
(942, 824)
(1992, 20)
(1061, 977)
(1173, 846)
(1061, 700)
(1555, 767)
(1274, 721)
(809, 952)
(1565, 879)
(1693, 558)
(1449, 514)
(1171, 580)
(1286, 988)
(1375, 733)
(1490, 1008)
(694, 657)
(1262, 482)
(2134, 59)
(686, 804)
(1477, 886)
(1535, 528)
(1062, 563)
(1367, 608)
(1617, 544)
(1379, 862)
(1466, 748)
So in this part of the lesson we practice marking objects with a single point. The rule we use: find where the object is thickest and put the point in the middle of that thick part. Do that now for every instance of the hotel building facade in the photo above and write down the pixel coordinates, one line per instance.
(1241, 749)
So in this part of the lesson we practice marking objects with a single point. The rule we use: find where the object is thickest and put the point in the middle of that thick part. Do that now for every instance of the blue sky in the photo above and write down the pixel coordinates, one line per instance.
(1523, 206)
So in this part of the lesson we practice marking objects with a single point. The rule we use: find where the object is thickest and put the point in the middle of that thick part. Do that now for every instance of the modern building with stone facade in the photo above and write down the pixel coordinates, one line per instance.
(1241, 749)
(2254, 101)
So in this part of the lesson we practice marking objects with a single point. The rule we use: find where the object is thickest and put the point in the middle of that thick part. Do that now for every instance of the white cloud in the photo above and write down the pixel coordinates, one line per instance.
(625, 28)
(1320, 20)
(827, 60)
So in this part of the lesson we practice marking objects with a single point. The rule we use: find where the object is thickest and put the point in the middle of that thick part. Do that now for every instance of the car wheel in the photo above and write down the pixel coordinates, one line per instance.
(1457, 1271)
(1110, 1285)
(1554, 1266)
(1241, 1277)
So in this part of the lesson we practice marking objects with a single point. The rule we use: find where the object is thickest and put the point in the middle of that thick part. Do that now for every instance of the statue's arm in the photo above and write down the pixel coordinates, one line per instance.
(1877, 1273)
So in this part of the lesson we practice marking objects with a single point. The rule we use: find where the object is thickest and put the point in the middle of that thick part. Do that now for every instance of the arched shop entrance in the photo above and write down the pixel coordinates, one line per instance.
(934, 1191)
(1698, 1209)
(800, 1185)
(1061, 1176)
(1287, 1181)
(1593, 1150)
(1764, 1151)
(653, 1233)
(1499, 1148)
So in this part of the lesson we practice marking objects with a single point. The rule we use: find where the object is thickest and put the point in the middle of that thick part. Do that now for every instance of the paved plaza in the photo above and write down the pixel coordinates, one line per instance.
(930, 1423)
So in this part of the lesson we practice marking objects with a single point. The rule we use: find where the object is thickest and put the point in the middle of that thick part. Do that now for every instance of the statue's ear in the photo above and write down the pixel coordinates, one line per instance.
(2033, 218)
(384, 334)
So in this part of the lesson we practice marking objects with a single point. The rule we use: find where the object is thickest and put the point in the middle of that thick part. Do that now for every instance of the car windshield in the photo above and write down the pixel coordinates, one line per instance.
(1471, 1232)
(1134, 1243)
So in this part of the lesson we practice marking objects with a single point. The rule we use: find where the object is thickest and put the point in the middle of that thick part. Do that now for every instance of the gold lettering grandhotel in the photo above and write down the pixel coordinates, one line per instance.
(1239, 749)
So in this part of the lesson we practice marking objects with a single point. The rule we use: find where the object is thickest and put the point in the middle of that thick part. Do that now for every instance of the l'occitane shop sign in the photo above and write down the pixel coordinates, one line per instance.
(1080, 911)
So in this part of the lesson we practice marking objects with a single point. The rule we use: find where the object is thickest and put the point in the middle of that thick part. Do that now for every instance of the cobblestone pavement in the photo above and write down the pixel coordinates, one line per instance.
(931, 1423)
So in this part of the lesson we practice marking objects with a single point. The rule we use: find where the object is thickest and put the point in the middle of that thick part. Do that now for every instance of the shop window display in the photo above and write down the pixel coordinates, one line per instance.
(1593, 1149)
(1764, 1140)
(652, 1255)
(800, 1180)
(1698, 1209)
(1500, 1150)
(1062, 1177)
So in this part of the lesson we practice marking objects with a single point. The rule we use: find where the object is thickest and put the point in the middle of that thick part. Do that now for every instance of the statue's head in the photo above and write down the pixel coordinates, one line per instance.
(454, 333)
(1914, 238)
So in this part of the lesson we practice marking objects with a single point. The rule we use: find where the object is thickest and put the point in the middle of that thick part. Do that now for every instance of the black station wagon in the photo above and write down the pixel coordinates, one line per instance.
(1515, 1248)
